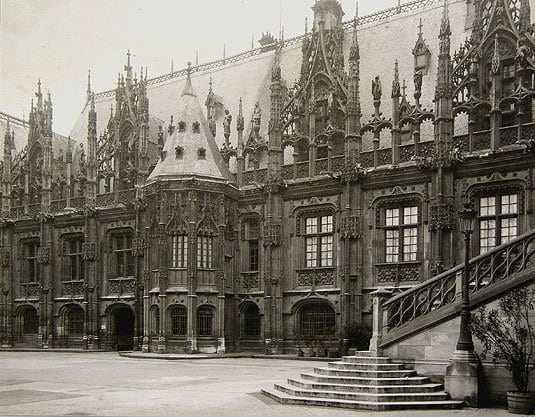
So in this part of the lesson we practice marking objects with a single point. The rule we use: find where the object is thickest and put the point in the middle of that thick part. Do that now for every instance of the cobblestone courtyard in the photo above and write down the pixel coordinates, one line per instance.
(104, 384)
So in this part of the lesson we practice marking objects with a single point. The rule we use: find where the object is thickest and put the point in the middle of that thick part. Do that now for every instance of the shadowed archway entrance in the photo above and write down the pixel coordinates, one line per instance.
(123, 328)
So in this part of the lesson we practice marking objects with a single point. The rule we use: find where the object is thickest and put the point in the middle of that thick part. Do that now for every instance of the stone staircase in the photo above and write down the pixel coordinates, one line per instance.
(363, 381)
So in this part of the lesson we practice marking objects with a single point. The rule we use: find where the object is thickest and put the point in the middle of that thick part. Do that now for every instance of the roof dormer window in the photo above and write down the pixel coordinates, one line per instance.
(196, 127)
(181, 127)
(179, 152)
(201, 153)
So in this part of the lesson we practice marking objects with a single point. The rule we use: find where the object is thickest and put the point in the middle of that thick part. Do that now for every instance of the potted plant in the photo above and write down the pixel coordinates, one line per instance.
(507, 333)
(358, 335)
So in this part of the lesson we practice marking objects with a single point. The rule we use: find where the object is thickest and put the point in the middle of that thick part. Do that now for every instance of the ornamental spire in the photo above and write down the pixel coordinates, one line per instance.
(445, 31)
(396, 88)
(188, 88)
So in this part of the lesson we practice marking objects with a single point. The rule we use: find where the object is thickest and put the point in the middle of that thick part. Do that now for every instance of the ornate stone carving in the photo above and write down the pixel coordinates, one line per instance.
(5, 257)
(44, 253)
(315, 277)
(442, 216)
(250, 280)
(73, 288)
(272, 234)
(398, 272)
(89, 251)
(350, 227)
(138, 246)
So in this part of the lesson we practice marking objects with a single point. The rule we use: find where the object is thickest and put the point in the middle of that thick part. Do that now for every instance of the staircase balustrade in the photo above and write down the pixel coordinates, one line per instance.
(485, 271)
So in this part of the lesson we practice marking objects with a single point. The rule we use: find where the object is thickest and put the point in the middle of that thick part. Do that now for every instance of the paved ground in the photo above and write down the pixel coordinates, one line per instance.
(104, 384)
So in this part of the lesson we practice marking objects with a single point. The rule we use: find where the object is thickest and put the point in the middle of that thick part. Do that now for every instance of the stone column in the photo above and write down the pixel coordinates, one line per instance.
(378, 296)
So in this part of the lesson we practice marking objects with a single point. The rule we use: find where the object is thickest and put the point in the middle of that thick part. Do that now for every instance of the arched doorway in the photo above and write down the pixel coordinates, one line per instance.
(123, 328)
(27, 326)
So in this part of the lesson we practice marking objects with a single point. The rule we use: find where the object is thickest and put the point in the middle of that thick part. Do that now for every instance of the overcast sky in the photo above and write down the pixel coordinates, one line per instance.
(59, 40)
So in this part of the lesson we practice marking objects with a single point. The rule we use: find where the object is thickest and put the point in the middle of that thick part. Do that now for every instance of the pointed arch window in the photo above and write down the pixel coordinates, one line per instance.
(179, 250)
(205, 243)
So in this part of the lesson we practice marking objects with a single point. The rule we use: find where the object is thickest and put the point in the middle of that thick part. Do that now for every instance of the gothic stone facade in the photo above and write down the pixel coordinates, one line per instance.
(158, 239)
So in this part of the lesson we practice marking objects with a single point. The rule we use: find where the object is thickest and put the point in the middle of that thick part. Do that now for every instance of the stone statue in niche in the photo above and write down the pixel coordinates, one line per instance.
(377, 91)
(257, 114)
(418, 78)
(226, 124)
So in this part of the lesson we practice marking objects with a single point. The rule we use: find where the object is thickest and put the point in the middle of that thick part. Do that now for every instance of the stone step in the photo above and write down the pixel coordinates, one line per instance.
(386, 389)
(370, 405)
(366, 359)
(362, 396)
(366, 366)
(401, 373)
(337, 379)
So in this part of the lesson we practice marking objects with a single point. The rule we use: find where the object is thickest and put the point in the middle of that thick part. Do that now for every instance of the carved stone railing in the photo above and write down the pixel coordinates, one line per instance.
(77, 202)
(126, 197)
(322, 166)
(17, 212)
(302, 169)
(482, 140)
(487, 272)
(426, 149)
(384, 156)
(105, 200)
(57, 205)
(462, 142)
(406, 153)
(287, 172)
(33, 210)
(366, 159)
(337, 163)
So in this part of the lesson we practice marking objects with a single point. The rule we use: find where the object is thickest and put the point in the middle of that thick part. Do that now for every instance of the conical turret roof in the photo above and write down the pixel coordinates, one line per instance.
(191, 149)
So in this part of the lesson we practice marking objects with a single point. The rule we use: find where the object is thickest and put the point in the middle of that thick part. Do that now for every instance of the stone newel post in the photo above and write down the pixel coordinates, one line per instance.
(378, 296)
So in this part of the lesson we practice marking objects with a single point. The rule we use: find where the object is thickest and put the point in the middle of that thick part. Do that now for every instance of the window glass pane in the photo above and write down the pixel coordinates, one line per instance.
(410, 215)
(392, 217)
(410, 243)
(487, 235)
(508, 229)
(311, 225)
(253, 255)
(487, 206)
(174, 246)
(326, 250)
(509, 204)
(327, 224)
(311, 250)
(392, 245)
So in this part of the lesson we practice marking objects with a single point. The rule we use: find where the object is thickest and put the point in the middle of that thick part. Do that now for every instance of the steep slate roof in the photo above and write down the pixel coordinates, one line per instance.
(191, 143)
(381, 43)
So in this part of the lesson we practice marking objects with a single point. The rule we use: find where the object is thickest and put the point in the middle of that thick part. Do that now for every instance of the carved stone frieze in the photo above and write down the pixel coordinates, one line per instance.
(315, 277)
(398, 272)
